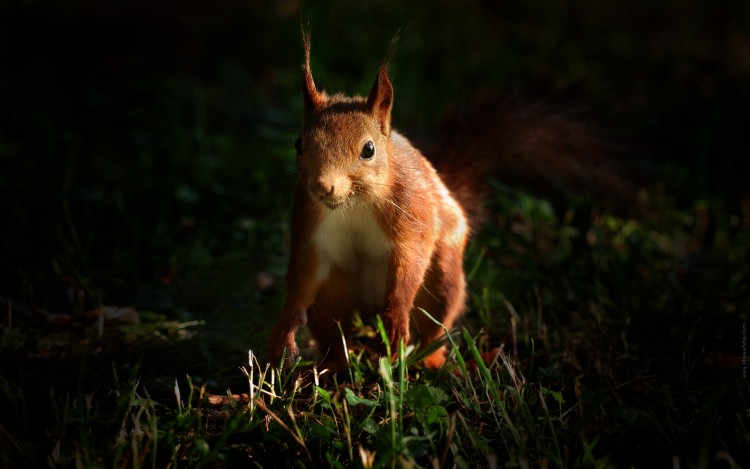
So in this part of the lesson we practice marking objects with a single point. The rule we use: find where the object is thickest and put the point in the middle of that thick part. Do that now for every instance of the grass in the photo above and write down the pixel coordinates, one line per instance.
(559, 372)
(145, 182)
(402, 420)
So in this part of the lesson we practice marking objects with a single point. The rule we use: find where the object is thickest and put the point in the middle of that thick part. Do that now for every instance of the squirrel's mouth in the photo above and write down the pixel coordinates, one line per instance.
(333, 205)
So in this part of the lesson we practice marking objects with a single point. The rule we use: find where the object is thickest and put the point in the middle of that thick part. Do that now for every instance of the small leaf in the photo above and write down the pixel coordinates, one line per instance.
(436, 414)
(556, 395)
(353, 399)
(202, 446)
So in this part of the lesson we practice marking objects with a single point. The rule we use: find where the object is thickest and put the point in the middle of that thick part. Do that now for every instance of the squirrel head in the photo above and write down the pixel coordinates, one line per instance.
(344, 149)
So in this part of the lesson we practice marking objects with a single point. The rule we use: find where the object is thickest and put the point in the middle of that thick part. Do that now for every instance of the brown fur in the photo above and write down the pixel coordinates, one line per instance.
(356, 220)
(544, 147)
(386, 236)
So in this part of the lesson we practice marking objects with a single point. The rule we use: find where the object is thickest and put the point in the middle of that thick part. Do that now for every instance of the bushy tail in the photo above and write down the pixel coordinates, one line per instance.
(534, 146)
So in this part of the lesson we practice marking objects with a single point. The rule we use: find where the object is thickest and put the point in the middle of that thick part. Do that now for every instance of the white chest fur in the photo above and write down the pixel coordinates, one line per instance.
(351, 239)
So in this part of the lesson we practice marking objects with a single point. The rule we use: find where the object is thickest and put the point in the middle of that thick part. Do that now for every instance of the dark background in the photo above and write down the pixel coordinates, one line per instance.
(132, 130)
(146, 148)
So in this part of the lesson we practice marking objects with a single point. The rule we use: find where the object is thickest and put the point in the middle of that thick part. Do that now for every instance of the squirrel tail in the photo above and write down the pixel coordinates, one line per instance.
(535, 146)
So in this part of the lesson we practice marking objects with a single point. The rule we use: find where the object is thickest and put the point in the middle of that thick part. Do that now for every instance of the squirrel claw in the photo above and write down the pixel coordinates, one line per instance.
(282, 345)
(397, 332)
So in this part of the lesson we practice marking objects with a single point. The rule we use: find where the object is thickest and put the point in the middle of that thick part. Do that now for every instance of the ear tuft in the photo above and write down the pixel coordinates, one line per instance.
(380, 101)
(313, 99)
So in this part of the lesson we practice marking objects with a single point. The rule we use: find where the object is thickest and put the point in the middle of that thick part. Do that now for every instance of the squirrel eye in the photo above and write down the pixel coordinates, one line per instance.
(368, 151)
(298, 146)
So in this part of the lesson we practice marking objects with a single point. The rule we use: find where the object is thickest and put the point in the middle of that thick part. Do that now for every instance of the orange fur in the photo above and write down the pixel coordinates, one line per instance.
(382, 232)
(377, 233)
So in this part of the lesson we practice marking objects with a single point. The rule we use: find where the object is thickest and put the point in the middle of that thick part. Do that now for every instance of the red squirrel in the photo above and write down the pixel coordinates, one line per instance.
(376, 229)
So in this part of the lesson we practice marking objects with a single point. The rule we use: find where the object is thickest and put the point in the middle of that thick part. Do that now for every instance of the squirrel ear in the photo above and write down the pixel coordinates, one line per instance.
(313, 99)
(380, 101)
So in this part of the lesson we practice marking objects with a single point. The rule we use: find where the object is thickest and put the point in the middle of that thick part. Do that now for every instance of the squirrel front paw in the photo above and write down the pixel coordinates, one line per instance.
(281, 344)
(398, 330)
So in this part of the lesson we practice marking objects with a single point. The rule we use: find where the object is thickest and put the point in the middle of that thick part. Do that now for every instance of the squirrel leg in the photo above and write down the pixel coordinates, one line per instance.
(443, 296)
(302, 285)
(409, 268)
(281, 342)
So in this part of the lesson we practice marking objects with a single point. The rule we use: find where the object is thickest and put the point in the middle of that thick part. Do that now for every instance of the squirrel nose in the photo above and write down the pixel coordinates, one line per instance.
(322, 188)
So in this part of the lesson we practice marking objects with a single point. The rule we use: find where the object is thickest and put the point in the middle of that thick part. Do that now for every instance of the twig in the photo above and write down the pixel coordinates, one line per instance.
(275, 417)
